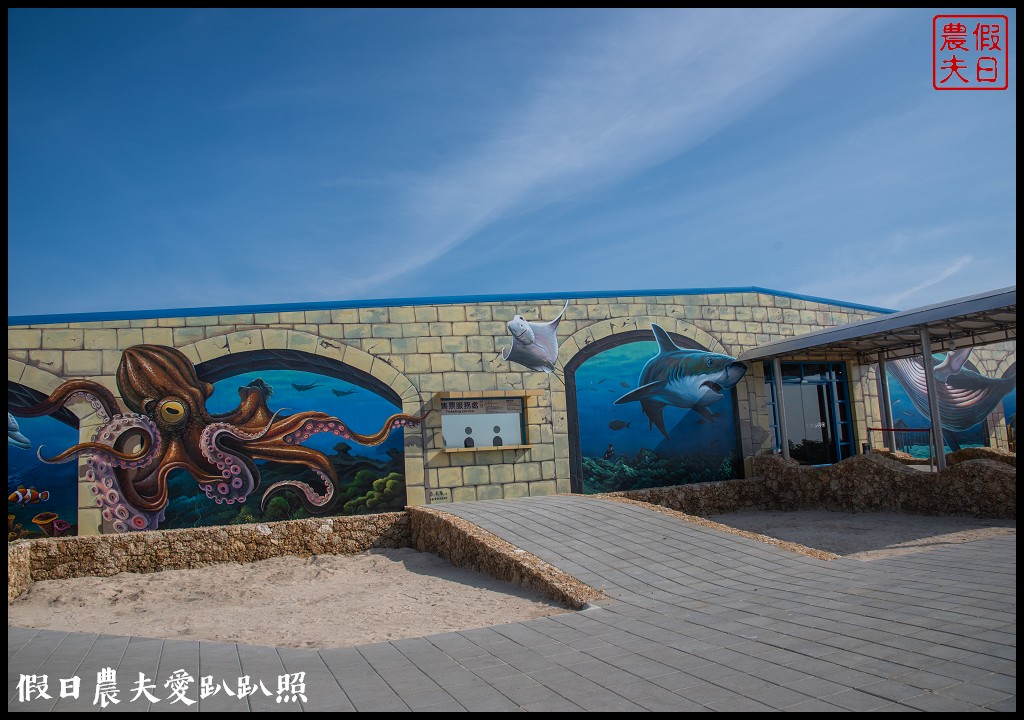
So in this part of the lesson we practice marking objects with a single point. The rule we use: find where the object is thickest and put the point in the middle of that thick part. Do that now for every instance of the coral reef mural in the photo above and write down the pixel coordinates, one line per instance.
(42, 499)
(175, 436)
(965, 396)
(652, 414)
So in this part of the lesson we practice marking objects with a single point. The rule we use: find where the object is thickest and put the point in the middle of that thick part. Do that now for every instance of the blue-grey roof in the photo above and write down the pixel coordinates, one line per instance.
(966, 322)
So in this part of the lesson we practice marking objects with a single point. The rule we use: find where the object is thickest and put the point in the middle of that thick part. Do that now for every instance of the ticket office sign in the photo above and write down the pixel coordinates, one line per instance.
(482, 423)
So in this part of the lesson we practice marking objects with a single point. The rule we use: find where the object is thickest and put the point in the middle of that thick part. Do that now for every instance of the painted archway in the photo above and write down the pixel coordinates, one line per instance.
(634, 421)
(370, 478)
(169, 427)
(43, 499)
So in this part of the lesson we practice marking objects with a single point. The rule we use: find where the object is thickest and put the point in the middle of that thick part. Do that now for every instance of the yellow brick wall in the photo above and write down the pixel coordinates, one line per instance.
(423, 350)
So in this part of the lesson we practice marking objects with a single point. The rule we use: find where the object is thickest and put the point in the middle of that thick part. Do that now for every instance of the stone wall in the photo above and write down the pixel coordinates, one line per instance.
(458, 541)
(428, 351)
(974, 453)
(19, 572)
(864, 483)
(466, 545)
(146, 552)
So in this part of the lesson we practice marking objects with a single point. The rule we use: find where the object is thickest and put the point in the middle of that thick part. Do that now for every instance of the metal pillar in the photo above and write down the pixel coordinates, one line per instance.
(933, 398)
(886, 403)
(780, 408)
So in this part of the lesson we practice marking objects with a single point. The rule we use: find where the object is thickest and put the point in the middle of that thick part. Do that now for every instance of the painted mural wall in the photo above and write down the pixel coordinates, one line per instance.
(42, 499)
(966, 398)
(254, 446)
(269, 413)
(651, 413)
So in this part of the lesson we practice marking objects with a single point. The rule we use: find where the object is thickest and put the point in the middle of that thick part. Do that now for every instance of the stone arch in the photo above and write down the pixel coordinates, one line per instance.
(45, 382)
(601, 329)
(34, 378)
(1005, 364)
(284, 339)
(1002, 365)
(578, 343)
(305, 342)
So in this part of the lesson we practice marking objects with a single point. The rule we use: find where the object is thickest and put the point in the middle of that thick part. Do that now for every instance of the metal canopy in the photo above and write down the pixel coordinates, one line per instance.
(967, 322)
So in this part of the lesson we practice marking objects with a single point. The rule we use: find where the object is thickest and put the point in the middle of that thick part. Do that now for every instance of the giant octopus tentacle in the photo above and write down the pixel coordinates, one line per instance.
(239, 476)
(282, 443)
(101, 399)
(110, 469)
(103, 402)
(113, 478)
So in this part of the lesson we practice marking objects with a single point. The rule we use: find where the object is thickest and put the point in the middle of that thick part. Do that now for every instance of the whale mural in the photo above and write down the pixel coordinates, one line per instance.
(965, 396)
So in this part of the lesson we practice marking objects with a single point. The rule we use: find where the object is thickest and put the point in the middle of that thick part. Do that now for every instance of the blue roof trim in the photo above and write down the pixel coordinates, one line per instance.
(395, 302)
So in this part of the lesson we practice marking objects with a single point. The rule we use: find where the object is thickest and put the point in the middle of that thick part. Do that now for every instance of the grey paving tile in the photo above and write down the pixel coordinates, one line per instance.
(1008, 705)
(975, 694)
(695, 619)
(933, 702)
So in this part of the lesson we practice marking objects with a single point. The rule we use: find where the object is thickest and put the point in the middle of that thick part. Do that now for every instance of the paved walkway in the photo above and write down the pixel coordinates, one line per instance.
(695, 619)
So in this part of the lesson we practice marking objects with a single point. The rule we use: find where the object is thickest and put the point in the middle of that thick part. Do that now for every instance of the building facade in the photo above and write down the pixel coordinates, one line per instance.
(187, 418)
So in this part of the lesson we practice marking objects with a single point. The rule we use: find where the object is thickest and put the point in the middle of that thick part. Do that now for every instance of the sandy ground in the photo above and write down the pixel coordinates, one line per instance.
(318, 602)
(867, 536)
(335, 601)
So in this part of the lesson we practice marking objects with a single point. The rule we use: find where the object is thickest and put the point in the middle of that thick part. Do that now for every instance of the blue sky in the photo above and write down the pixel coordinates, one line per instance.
(165, 159)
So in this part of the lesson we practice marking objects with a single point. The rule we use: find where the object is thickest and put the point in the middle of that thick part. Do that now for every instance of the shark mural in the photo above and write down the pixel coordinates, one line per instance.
(623, 392)
(683, 378)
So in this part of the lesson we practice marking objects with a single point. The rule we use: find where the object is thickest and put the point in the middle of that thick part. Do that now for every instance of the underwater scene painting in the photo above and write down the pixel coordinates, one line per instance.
(371, 479)
(171, 450)
(965, 397)
(1010, 410)
(678, 427)
(42, 499)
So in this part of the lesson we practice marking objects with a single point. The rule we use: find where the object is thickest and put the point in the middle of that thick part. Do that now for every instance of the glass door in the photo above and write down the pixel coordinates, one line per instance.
(817, 411)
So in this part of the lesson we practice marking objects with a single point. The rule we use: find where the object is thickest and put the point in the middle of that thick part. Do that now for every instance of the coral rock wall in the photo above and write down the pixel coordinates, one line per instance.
(863, 483)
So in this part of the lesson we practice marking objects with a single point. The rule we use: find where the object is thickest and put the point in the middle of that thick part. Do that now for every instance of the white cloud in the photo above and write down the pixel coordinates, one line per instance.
(955, 266)
(625, 97)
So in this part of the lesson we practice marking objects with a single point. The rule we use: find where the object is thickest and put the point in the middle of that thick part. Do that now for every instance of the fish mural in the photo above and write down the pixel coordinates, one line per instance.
(618, 425)
(965, 397)
(14, 436)
(304, 388)
(34, 489)
(534, 344)
(683, 378)
(24, 496)
(342, 393)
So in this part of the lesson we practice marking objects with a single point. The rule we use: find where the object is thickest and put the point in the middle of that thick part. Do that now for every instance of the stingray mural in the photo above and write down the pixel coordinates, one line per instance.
(652, 414)
(170, 429)
(965, 396)
(534, 344)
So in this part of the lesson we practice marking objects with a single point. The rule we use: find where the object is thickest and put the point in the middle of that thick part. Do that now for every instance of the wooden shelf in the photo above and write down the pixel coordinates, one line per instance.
(482, 449)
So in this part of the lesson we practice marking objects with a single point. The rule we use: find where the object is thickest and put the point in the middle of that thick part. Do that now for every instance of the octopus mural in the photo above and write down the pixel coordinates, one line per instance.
(168, 427)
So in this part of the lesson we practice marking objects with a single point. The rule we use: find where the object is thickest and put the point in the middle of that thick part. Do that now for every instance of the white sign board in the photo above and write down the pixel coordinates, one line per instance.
(482, 422)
